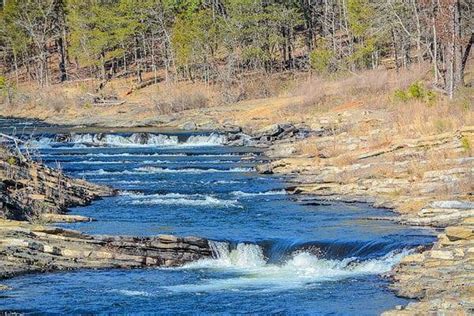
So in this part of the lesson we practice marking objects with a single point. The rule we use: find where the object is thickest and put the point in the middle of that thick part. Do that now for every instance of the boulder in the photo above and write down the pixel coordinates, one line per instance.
(62, 138)
(459, 233)
(240, 139)
(230, 128)
(189, 126)
(269, 131)
(141, 138)
(264, 169)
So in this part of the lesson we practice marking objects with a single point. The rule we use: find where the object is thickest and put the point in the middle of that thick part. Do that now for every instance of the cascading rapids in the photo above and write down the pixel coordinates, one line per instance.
(249, 269)
(134, 140)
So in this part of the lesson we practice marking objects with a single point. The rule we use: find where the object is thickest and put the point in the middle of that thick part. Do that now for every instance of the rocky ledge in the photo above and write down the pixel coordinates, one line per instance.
(442, 278)
(26, 247)
(30, 190)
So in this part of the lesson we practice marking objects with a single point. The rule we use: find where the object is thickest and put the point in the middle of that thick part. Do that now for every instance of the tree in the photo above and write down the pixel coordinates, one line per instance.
(101, 32)
(218, 40)
(33, 19)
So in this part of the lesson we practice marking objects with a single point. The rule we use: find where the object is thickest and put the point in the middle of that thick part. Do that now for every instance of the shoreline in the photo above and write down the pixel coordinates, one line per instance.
(451, 251)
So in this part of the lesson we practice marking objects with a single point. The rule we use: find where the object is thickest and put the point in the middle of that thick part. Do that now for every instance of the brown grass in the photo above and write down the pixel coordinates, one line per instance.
(307, 148)
(258, 86)
(175, 100)
(416, 119)
(353, 90)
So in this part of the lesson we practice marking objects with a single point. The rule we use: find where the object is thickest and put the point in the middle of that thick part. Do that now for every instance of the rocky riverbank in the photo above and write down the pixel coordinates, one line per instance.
(418, 180)
(354, 154)
(32, 194)
(30, 191)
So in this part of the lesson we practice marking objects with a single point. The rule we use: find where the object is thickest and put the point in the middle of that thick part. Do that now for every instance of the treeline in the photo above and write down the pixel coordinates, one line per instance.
(222, 40)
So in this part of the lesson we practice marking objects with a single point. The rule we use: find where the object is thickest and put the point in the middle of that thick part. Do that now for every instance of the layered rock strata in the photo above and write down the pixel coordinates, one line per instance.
(26, 247)
(28, 189)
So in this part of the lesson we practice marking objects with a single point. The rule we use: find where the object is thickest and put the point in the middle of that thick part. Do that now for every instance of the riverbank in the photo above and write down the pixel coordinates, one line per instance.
(414, 158)
(438, 277)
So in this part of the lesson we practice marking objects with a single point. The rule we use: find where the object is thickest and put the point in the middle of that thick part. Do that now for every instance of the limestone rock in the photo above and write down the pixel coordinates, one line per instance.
(231, 128)
(269, 131)
(63, 218)
(29, 189)
(189, 126)
(25, 247)
(459, 232)
(453, 205)
(264, 169)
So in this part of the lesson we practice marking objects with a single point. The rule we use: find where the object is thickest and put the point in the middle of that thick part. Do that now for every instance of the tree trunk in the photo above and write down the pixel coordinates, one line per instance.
(458, 56)
(435, 50)
(418, 32)
(62, 59)
(465, 57)
(395, 49)
(454, 58)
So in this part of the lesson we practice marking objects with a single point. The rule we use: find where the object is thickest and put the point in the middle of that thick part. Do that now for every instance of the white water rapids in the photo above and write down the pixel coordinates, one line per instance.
(248, 269)
(135, 140)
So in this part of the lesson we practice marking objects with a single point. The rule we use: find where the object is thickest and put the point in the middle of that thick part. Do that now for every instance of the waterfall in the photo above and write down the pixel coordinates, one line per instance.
(133, 140)
(243, 255)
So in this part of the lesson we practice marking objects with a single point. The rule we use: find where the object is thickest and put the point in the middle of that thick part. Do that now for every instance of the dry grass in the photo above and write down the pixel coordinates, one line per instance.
(307, 148)
(416, 119)
(359, 104)
(368, 87)
(258, 86)
(176, 101)
(344, 159)
(167, 98)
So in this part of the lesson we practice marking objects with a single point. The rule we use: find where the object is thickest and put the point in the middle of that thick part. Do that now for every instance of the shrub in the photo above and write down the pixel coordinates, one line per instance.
(320, 60)
(416, 91)
(400, 95)
(466, 145)
(6, 90)
(12, 161)
(3, 82)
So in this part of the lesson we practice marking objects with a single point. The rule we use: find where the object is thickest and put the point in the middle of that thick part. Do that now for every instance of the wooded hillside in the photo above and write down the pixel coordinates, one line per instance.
(50, 41)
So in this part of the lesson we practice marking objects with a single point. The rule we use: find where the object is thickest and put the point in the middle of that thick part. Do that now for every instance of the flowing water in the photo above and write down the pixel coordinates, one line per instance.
(272, 254)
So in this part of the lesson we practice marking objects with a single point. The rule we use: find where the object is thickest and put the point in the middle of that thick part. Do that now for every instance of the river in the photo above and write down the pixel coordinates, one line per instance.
(274, 254)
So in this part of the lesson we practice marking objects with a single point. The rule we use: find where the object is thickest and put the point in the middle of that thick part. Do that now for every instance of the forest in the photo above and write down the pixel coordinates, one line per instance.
(52, 41)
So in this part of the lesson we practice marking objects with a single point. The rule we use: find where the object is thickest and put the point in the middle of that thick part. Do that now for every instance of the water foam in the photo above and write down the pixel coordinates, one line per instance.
(97, 162)
(211, 140)
(44, 142)
(250, 270)
(249, 194)
(157, 170)
(134, 155)
(180, 199)
(131, 292)
(134, 140)
(112, 140)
